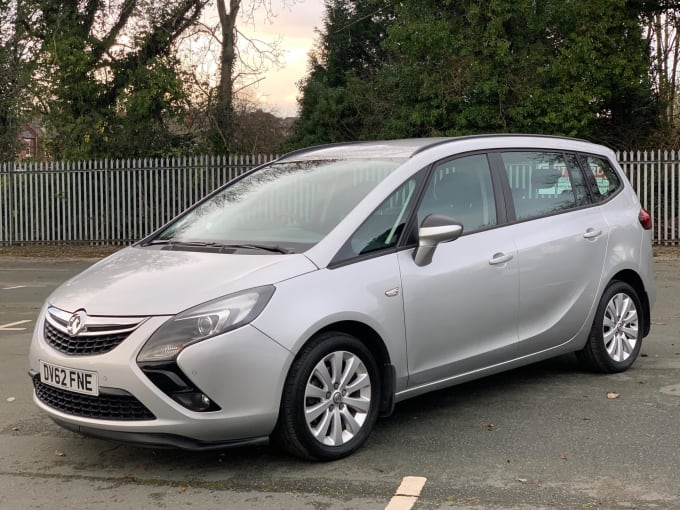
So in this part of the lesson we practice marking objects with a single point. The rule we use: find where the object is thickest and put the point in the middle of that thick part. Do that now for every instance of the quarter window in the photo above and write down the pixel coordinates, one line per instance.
(382, 228)
(604, 176)
(540, 183)
(462, 190)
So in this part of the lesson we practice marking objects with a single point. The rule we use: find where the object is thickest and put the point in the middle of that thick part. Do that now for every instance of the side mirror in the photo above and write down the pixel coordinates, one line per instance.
(433, 230)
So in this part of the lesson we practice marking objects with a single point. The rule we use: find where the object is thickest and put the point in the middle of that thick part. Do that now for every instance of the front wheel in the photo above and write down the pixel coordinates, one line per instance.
(330, 399)
(616, 335)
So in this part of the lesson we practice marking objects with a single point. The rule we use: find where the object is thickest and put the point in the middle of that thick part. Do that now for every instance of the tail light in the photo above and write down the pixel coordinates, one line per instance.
(645, 219)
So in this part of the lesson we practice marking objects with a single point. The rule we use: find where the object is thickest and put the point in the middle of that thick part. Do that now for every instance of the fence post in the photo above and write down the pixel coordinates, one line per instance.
(12, 214)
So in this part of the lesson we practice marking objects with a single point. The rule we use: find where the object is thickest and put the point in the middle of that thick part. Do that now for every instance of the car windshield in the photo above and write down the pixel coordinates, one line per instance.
(285, 207)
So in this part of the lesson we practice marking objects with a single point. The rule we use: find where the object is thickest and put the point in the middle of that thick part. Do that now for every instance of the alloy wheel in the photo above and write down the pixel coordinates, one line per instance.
(337, 398)
(620, 327)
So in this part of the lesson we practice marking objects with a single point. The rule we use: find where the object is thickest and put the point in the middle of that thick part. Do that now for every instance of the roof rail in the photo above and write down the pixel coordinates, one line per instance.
(435, 142)
(299, 152)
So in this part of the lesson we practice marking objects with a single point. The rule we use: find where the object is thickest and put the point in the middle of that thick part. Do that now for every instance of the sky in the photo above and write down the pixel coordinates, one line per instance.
(294, 26)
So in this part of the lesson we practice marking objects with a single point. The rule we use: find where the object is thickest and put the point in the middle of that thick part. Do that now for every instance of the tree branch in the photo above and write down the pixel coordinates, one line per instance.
(105, 44)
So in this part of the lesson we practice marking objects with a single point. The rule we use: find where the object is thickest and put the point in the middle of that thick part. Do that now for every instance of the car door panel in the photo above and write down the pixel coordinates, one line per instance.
(561, 246)
(460, 310)
(560, 267)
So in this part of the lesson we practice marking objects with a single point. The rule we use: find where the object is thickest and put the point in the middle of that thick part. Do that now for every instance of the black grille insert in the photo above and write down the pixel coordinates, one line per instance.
(82, 345)
(122, 407)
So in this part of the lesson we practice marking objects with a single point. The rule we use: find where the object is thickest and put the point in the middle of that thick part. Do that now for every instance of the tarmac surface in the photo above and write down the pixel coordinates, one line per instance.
(542, 437)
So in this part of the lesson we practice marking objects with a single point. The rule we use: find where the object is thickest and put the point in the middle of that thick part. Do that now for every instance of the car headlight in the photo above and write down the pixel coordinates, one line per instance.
(204, 321)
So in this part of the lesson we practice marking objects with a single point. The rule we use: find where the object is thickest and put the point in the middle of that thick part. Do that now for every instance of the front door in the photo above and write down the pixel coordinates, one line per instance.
(461, 309)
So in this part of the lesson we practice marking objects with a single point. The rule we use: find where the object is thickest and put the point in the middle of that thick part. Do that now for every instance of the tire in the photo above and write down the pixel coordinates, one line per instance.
(616, 336)
(330, 399)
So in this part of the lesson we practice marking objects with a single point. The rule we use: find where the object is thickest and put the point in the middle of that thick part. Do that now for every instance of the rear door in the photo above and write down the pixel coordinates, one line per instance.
(561, 238)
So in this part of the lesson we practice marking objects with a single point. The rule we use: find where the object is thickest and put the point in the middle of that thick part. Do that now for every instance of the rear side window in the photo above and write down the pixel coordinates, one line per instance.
(605, 182)
(540, 183)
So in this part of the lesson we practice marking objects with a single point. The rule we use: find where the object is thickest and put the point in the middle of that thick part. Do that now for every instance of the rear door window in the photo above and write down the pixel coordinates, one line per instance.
(541, 183)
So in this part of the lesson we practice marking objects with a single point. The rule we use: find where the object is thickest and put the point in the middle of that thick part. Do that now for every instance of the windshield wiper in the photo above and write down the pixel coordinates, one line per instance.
(274, 248)
(159, 241)
(175, 242)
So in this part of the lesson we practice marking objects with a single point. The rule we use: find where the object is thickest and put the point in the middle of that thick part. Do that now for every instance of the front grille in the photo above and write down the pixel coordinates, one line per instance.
(79, 334)
(104, 407)
(82, 345)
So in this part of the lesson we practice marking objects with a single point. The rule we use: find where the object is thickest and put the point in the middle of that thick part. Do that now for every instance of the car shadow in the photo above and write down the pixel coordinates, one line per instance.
(529, 385)
(412, 417)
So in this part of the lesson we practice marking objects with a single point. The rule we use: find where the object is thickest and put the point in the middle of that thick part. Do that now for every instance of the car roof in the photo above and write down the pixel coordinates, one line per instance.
(394, 149)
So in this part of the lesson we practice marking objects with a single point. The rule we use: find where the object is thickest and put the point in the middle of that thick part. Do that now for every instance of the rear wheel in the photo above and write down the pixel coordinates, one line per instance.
(616, 335)
(330, 399)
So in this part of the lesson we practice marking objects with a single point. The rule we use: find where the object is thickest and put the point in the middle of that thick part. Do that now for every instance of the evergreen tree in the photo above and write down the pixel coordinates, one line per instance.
(576, 68)
(337, 95)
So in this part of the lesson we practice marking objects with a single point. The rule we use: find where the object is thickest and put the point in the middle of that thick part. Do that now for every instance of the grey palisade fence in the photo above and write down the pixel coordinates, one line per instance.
(106, 201)
(120, 201)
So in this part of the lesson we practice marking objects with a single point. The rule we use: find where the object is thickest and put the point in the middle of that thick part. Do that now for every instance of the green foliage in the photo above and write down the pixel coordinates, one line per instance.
(575, 68)
(338, 100)
(142, 121)
(9, 122)
(111, 88)
(13, 78)
(333, 113)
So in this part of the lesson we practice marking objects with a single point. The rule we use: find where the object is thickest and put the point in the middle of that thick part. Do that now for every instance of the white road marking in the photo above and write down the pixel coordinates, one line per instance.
(9, 327)
(407, 493)
(33, 269)
(26, 286)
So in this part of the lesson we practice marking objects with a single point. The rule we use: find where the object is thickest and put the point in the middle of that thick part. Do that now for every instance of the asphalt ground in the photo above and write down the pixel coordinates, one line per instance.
(545, 436)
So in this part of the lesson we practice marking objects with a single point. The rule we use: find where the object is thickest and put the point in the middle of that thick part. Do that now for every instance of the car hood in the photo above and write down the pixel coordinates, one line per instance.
(142, 282)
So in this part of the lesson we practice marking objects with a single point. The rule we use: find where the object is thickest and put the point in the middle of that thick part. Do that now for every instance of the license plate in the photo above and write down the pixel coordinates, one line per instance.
(71, 379)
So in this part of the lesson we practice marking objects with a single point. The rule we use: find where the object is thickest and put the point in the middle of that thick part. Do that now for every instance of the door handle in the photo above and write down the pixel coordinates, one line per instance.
(592, 233)
(500, 258)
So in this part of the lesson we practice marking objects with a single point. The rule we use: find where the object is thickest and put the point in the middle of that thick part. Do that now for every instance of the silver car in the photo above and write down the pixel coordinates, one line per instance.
(304, 299)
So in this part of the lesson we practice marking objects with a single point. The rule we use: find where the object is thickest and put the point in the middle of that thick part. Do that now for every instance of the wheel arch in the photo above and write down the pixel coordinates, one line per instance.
(633, 279)
(378, 349)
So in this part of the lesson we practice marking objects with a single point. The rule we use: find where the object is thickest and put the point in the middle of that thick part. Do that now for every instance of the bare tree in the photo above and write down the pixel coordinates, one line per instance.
(663, 31)
(240, 66)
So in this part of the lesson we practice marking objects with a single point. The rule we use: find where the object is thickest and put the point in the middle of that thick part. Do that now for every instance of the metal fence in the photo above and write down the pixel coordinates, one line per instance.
(655, 175)
(119, 201)
(108, 201)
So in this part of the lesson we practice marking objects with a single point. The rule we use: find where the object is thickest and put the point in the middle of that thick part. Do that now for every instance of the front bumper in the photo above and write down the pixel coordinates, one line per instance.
(242, 371)
(159, 440)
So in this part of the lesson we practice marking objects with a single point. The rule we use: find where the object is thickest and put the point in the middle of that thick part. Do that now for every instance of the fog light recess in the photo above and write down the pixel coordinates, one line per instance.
(193, 400)
(170, 379)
